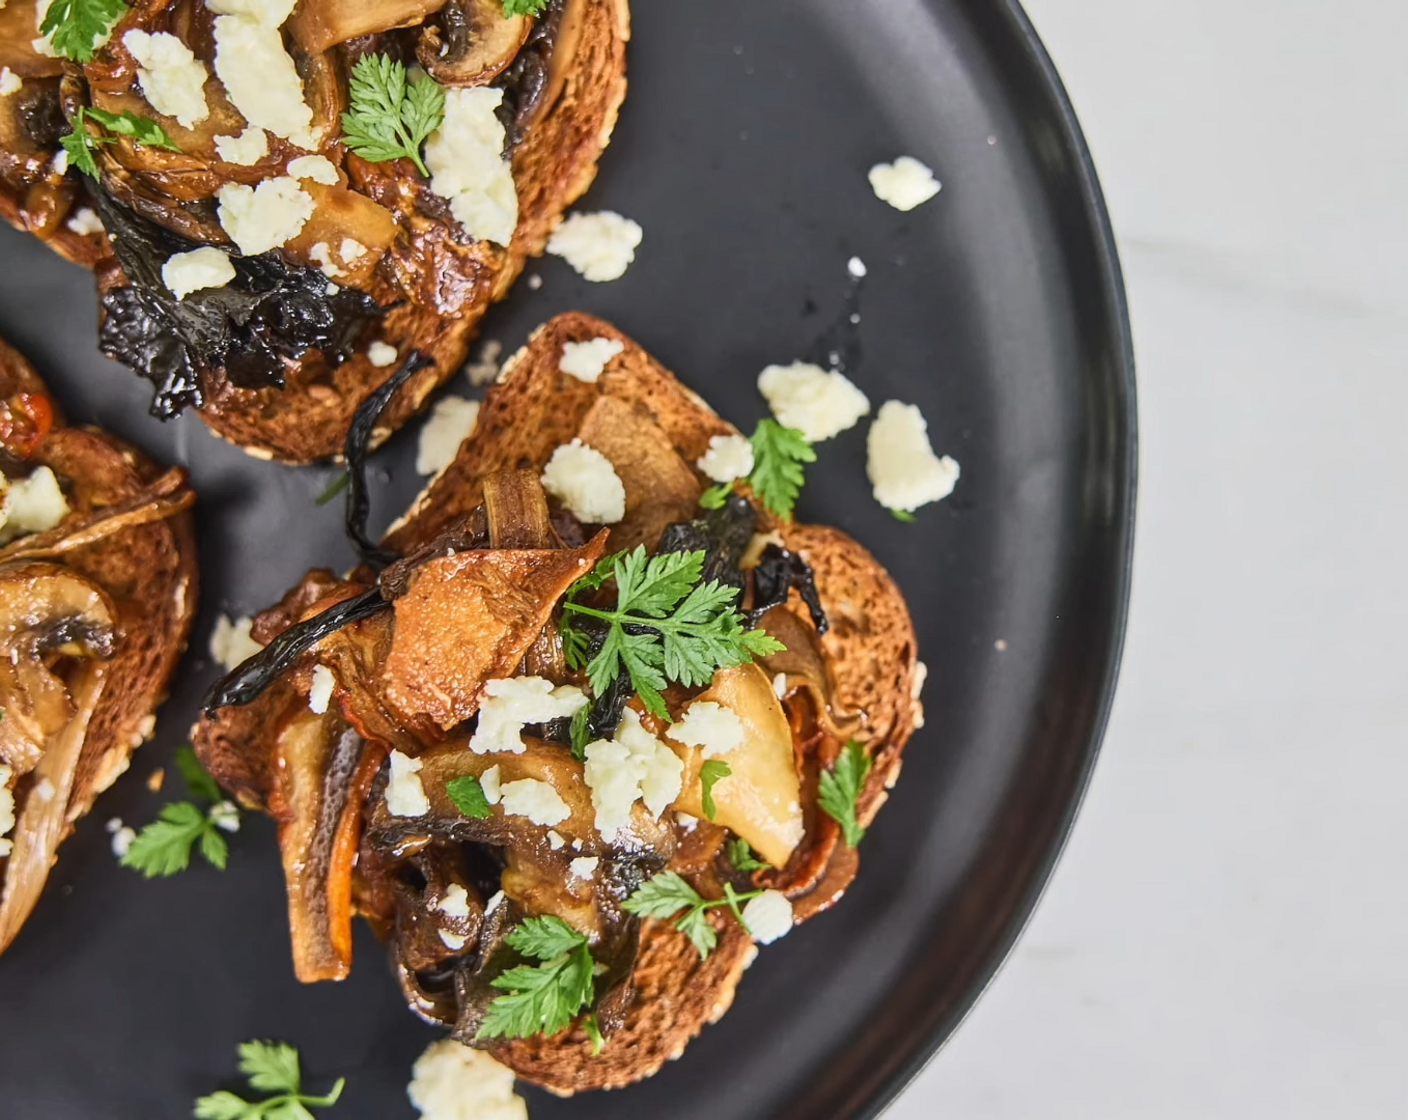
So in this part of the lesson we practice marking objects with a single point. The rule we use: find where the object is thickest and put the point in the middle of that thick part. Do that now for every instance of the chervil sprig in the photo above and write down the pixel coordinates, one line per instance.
(269, 1067)
(75, 28)
(780, 456)
(82, 144)
(742, 857)
(544, 998)
(524, 7)
(669, 894)
(711, 774)
(164, 847)
(390, 117)
(840, 788)
(469, 798)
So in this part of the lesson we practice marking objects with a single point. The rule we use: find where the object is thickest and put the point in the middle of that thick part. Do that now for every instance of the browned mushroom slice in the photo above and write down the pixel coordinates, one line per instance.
(320, 24)
(56, 628)
(471, 42)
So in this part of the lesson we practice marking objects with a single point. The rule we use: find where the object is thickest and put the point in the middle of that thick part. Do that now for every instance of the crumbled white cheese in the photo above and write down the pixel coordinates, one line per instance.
(779, 686)
(685, 821)
(856, 267)
(231, 644)
(495, 901)
(34, 504)
(172, 78)
(728, 458)
(538, 801)
(453, 941)
(491, 782)
(510, 704)
(709, 725)
(586, 361)
(451, 422)
(382, 354)
(818, 403)
(85, 222)
(122, 837)
(465, 156)
(352, 249)
(246, 149)
(584, 481)
(903, 468)
(271, 12)
(636, 766)
(321, 255)
(320, 693)
(7, 808)
(225, 815)
(60, 162)
(319, 169)
(10, 82)
(405, 795)
(583, 867)
(555, 841)
(450, 1081)
(197, 270)
(264, 217)
(486, 369)
(904, 184)
(916, 691)
(260, 78)
(600, 246)
(768, 917)
(455, 903)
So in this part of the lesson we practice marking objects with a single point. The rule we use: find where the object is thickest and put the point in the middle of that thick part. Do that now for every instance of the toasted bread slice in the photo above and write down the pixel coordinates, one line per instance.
(870, 652)
(129, 532)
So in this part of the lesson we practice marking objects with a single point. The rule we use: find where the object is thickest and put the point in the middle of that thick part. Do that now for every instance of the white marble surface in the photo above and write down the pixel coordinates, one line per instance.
(1228, 933)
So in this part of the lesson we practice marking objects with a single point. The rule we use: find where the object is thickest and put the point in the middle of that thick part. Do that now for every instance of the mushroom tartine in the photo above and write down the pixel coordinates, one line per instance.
(97, 590)
(283, 197)
(574, 741)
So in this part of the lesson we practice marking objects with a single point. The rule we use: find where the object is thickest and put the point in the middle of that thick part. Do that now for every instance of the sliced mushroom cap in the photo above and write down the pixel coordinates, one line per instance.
(471, 42)
(320, 24)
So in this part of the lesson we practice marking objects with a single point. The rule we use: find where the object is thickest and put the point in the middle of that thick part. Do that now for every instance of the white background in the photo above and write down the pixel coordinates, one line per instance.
(1227, 935)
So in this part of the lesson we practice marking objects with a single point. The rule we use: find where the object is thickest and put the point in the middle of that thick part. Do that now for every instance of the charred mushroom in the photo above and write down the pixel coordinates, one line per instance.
(471, 42)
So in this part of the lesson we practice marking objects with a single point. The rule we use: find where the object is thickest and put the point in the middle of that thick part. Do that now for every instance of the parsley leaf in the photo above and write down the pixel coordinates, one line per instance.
(903, 515)
(666, 626)
(716, 497)
(269, 1067)
(778, 473)
(197, 779)
(468, 796)
(390, 117)
(840, 789)
(669, 893)
(524, 7)
(710, 774)
(593, 1029)
(76, 27)
(581, 731)
(545, 998)
(82, 145)
(741, 856)
(163, 848)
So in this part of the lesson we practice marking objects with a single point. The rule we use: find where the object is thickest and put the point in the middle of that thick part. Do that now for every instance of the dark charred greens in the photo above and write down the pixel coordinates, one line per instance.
(526, 81)
(272, 312)
(777, 573)
(723, 535)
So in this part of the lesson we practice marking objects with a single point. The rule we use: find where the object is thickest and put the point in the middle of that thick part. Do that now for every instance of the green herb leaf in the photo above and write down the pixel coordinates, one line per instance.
(903, 515)
(741, 856)
(389, 117)
(76, 27)
(593, 1029)
(468, 796)
(197, 779)
(840, 789)
(334, 488)
(545, 998)
(669, 894)
(82, 144)
(666, 626)
(163, 848)
(710, 774)
(225, 1106)
(779, 455)
(269, 1067)
(716, 497)
(581, 731)
(524, 7)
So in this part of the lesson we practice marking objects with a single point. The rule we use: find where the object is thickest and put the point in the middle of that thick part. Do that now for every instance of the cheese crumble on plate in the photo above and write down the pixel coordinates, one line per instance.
(451, 1081)
(600, 246)
(904, 184)
(903, 468)
(583, 480)
(818, 403)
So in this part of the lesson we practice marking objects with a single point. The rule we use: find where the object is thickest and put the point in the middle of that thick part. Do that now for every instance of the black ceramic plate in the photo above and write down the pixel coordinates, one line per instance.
(997, 307)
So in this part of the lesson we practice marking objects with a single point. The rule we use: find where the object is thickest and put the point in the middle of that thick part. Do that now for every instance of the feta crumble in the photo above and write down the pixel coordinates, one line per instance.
(7, 809)
(904, 184)
(856, 267)
(259, 76)
(584, 481)
(196, 271)
(465, 156)
(728, 458)
(508, 705)
(320, 694)
(715, 728)
(172, 78)
(225, 815)
(555, 841)
(85, 222)
(451, 422)
(768, 917)
(352, 249)
(903, 468)
(635, 766)
(122, 837)
(538, 801)
(264, 217)
(491, 782)
(586, 361)
(453, 941)
(10, 82)
(779, 686)
(600, 246)
(451, 1081)
(231, 644)
(405, 795)
(818, 403)
(455, 903)
(34, 504)
(584, 867)
(382, 354)
(321, 255)
(319, 169)
(246, 149)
